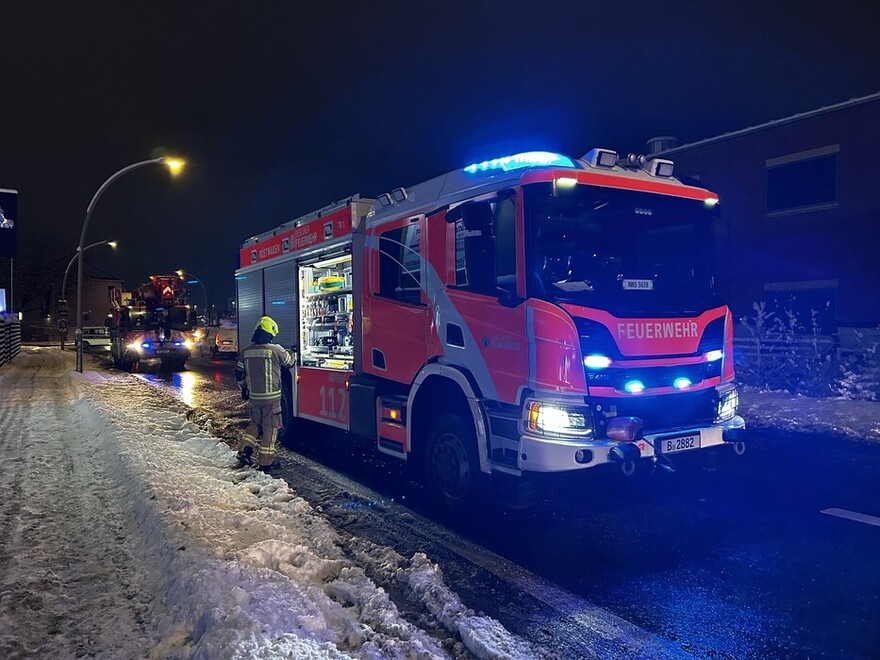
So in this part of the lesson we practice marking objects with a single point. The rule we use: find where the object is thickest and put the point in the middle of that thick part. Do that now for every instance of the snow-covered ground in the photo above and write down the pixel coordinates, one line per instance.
(124, 533)
(781, 411)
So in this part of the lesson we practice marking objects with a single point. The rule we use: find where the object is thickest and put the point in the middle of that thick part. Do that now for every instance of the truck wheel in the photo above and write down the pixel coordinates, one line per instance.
(452, 467)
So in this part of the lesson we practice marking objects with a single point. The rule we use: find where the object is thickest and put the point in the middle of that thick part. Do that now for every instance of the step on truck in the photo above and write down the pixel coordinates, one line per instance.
(528, 314)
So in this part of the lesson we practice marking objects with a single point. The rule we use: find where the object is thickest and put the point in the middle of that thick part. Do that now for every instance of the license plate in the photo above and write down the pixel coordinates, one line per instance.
(163, 351)
(636, 285)
(680, 443)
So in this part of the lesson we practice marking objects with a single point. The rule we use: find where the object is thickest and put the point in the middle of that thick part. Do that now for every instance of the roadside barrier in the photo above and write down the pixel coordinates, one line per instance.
(10, 338)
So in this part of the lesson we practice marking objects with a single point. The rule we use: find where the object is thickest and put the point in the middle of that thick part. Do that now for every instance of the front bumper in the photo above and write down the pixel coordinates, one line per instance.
(175, 353)
(543, 454)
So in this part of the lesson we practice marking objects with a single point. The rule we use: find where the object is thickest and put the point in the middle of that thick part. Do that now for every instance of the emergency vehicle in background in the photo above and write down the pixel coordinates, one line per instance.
(528, 314)
(156, 323)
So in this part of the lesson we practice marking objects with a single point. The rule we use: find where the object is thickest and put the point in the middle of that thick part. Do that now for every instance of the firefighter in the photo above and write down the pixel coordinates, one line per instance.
(258, 373)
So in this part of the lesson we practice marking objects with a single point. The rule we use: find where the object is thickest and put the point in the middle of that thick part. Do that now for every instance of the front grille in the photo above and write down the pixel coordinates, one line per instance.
(668, 411)
(653, 376)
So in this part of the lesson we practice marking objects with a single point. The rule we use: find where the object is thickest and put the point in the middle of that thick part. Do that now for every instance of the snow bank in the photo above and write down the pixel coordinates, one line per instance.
(232, 563)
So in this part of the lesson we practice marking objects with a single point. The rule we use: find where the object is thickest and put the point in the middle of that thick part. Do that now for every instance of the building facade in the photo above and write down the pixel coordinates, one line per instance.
(801, 203)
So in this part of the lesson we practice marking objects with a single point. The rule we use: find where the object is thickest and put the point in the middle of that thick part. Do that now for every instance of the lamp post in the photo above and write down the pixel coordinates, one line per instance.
(181, 273)
(63, 299)
(175, 166)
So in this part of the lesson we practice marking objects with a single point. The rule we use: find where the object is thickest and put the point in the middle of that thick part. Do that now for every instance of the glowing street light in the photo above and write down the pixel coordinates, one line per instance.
(174, 165)
(63, 300)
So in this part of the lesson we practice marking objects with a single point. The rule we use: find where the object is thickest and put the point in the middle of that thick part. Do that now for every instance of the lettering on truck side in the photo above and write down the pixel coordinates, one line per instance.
(656, 330)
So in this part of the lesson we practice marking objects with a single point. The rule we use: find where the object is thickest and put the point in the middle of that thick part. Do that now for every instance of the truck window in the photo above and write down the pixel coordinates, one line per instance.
(400, 269)
(486, 261)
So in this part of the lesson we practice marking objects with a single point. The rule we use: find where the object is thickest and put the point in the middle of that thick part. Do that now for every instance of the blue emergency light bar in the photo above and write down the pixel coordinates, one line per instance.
(520, 161)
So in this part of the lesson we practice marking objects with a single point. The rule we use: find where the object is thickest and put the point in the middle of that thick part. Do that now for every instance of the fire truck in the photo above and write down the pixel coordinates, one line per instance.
(156, 323)
(528, 314)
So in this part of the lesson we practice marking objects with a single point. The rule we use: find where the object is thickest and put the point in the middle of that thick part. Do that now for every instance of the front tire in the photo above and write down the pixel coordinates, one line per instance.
(451, 464)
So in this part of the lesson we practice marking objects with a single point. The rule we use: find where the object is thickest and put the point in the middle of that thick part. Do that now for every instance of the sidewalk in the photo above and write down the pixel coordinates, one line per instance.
(125, 534)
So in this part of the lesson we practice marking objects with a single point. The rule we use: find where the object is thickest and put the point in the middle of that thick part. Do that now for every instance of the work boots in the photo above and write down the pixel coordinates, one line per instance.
(244, 457)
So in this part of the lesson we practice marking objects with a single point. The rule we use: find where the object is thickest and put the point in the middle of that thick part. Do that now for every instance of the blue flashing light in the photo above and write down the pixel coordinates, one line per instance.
(712, 356)
(520, 161)
(597, 362)
(178, 343)
(634, 386)
(681, 383)
(146, 344)
(192, 281)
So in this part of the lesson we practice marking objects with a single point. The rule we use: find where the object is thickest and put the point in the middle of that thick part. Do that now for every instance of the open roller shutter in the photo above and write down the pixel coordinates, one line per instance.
(250, 305)
(280, 286)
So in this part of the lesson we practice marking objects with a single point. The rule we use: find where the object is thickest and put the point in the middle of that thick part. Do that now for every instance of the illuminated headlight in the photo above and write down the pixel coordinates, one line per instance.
(133, 346)
(558, 419)
(713, 356)
(728, 402)
(188, 344)
(197, 334)
(597, 362)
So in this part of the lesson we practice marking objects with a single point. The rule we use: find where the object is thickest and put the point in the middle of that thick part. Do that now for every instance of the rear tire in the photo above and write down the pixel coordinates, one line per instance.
(451, 464)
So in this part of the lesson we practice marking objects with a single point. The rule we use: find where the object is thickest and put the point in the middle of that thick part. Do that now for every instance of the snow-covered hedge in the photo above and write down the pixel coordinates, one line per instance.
(776, 351)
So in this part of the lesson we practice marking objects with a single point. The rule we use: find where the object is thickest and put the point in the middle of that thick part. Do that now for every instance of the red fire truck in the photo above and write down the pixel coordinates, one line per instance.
(156, 323)
(528, 314)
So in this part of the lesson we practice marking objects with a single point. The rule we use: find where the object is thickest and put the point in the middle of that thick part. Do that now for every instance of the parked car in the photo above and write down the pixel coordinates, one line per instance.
(95, 337)
(225, 342)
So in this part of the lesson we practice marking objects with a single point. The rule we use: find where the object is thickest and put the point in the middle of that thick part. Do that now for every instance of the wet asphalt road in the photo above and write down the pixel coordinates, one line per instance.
(730, 560)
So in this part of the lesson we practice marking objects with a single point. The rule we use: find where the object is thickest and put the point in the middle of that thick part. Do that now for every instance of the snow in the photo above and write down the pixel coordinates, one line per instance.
(766, 410)
(125, 533)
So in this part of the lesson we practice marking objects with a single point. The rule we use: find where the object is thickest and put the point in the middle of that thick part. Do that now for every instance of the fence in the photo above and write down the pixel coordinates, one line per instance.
(10, 338)
(775, 352)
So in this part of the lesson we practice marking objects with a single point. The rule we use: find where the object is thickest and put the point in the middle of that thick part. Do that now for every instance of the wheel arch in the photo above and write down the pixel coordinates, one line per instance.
(443, 388)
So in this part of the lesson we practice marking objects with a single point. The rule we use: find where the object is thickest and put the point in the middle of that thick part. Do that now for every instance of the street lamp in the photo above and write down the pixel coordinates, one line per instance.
(174, 165)
(181, 273)
(63, 299)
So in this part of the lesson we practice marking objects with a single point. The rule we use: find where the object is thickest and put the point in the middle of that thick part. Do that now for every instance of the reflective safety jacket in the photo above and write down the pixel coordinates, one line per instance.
(259, 366)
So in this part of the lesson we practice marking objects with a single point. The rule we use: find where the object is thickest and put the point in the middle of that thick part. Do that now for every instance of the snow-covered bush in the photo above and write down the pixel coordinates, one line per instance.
(860, 367)
(780, 353)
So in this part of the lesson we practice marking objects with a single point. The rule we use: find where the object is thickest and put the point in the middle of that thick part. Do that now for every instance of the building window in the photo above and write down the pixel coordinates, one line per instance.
(802, 181)
(400, 268)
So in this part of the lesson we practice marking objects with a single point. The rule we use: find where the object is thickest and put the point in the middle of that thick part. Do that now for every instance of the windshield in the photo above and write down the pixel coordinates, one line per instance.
(168, 318)
(627, 252)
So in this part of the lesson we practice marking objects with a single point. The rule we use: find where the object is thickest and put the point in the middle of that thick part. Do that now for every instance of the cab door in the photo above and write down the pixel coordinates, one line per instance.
(397, 314)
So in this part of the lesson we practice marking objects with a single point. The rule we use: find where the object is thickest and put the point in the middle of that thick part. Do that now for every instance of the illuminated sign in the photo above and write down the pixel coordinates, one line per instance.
(8, 222)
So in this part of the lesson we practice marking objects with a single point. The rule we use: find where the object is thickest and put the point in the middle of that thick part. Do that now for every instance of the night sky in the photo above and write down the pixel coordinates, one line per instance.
(280, 108)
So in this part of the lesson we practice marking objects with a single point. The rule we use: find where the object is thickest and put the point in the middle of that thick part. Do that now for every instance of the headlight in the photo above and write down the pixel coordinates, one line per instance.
(133, 346)
(558, 419)
(728, 402)
(188, 343)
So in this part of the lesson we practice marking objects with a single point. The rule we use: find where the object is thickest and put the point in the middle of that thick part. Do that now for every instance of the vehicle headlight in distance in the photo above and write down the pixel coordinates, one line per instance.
(188, 343)
(558, 419)
(728, 402)
(134, 346)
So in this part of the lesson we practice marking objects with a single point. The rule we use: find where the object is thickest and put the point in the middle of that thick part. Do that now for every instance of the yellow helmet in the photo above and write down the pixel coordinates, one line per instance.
(268, 324)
